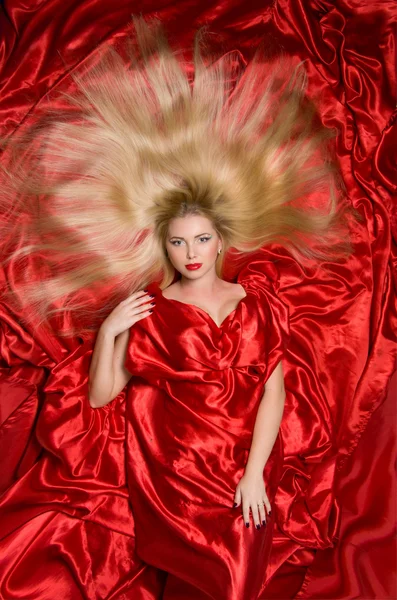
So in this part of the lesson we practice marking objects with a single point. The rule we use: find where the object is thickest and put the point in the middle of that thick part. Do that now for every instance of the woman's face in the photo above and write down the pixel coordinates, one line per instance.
(192, 245)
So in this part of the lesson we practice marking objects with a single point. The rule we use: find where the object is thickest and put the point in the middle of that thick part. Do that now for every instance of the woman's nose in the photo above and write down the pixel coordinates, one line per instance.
(190, 252)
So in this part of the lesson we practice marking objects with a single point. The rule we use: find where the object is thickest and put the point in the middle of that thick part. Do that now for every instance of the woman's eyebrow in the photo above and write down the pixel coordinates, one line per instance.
(181, 238)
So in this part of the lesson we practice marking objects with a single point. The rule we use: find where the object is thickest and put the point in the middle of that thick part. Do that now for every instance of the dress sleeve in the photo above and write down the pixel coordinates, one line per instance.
(143, 357)
(260, 277)
(148, 355)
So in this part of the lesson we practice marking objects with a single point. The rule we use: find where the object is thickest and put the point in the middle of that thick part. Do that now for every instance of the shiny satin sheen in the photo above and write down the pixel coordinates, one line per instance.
(191, 409)
(66, 522)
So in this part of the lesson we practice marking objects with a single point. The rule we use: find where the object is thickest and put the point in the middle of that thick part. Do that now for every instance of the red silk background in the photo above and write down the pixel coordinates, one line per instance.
(66, 526)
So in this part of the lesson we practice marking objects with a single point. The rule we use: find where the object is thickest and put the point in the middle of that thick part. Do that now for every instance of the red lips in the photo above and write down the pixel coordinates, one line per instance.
(193, 266)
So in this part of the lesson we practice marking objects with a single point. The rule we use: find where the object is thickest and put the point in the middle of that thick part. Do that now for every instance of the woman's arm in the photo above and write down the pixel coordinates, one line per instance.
(267, 422)
(107, 373)
(251, 491)
(108, 376)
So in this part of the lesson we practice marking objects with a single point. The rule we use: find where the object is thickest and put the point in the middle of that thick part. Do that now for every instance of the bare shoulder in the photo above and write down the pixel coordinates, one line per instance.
(171, 292)
(234, 289)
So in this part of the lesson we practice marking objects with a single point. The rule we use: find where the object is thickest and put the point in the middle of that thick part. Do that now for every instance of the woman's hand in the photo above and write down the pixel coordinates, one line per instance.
(251, 495)
(134, 308)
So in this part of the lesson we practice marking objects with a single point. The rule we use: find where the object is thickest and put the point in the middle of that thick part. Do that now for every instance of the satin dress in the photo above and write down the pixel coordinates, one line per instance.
(191, 409)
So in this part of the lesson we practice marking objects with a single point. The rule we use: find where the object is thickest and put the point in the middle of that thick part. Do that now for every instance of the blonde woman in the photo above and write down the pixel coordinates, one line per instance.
(144, 190)
(204, 357)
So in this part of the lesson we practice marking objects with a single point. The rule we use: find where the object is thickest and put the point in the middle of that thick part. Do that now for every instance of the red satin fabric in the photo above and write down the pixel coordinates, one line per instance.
(66, 523)
(191, 410)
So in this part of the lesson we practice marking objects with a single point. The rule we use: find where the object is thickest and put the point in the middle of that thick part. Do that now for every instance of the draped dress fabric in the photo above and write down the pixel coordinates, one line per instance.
(191, 410)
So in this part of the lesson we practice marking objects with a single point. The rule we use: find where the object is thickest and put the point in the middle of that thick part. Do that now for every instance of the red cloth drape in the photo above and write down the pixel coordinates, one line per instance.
(66, 525)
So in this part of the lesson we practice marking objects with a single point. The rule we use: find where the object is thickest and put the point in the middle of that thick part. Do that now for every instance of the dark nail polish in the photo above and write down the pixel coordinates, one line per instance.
(151, 296)
(264, 523)
(150, 310)
(269, 513)
(152, 304)
(247, 524)
(258, 526)
(234, 505)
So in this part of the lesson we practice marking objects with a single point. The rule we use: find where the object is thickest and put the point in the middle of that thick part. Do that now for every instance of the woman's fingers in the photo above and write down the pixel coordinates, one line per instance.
(262, 515)
(138, 298)
(237, 498)
(246, 512)
(255, 515)
(142, 315)
(251, 493)
(137, 310)
(138, 303)
(135, 296)
(256, 508)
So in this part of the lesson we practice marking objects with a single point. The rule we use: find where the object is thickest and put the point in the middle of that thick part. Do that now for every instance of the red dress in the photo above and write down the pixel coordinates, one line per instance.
(191, 409)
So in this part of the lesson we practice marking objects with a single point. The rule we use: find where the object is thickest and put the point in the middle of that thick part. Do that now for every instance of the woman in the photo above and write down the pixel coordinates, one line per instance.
(191, 414)
(145, 175)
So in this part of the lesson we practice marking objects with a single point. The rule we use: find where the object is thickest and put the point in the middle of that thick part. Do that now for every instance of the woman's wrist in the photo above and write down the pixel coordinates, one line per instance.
(254, 470)
(106, 331)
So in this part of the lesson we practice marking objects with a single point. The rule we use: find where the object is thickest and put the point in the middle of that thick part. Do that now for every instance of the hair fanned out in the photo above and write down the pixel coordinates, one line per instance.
(145, 140)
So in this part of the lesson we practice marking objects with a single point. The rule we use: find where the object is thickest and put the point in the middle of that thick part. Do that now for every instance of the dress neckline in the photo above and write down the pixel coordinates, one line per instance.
(194, 307)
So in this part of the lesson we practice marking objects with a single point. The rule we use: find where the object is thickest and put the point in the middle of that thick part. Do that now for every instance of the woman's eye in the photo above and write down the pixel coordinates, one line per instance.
(180, 242)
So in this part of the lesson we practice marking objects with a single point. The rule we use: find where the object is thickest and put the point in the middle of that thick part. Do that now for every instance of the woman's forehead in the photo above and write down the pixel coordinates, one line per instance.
(190, 225)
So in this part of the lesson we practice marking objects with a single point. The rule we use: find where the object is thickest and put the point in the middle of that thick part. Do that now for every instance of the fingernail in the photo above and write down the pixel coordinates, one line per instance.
(247, 524)
(150, 310)
(152, 304)
(234, 505)
(151, 296)
(258, 526)
(270, 512)
(264, 523)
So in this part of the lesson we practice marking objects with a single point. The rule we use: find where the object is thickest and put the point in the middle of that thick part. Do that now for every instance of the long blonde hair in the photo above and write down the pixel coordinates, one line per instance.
(140, 142)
